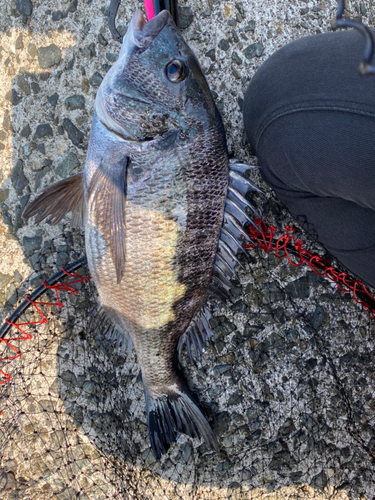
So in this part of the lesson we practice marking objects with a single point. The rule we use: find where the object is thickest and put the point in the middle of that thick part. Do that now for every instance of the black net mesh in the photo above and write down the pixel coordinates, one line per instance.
(287, 385)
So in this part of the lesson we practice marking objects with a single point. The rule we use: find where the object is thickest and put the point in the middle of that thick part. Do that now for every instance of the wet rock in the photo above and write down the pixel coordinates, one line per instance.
(68, 164)
(4, 280)
(43, 130)
(74, 134)
(31, 244)
(24, 7)
(185, 17)
(254, 50)
(19, 181)
(75, 102)
(57, 15)
(96, 79)
(52, 99)
(223, 44)
(49, 56)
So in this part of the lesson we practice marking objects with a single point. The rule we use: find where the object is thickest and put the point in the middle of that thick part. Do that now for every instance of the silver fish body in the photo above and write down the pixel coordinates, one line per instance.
(152, 198)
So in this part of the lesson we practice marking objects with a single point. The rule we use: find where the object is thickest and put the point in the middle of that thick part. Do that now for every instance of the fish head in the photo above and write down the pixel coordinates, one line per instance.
(156, 86)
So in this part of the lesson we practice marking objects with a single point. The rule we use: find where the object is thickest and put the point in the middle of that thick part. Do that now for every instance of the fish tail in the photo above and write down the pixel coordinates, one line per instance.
(173, 412)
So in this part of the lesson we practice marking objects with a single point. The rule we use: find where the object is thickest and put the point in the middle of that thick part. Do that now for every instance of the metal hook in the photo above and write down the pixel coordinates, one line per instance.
(365, 68)
(111, 19)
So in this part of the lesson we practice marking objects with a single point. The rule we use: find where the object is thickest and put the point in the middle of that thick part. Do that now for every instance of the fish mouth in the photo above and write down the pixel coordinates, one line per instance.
(142, 33)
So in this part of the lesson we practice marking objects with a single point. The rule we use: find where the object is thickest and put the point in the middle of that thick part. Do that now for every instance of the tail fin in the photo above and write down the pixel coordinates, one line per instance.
(174, 412)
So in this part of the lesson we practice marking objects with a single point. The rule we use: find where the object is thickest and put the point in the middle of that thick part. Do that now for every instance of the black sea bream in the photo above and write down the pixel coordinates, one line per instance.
(162, 211)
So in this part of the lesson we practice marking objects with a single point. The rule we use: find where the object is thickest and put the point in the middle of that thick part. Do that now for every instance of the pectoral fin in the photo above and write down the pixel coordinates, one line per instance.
(108, 191)
(58, 200)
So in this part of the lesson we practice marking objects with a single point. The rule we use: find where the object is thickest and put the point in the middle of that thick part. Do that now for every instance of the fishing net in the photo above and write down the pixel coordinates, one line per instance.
(287, 383)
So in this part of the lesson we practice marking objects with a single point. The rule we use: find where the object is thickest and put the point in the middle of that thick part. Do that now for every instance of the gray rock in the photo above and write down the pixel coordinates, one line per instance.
(185, 17)
(185, 453)
(250, 26)
(35, 87)
(206, 13)
(69, 163)
(318, 318)
(91, 387)
(23, 85)
(220, 369)
(111, 57)
(19, 42)
(74, 134)
(236, 58)
(52, 99)
(13, 97)
(19, 181)
(57, 15)
(49, 56)
(96, 79)
(31, 50)
(4, 280)
(72, 6)
(7, 121)
(24, 7)
(211, 54)
(62, 259)
(223, 44)
(298, 289)
(75, 102)
(254, 50)
(30, 245)
(319, 481)
(102, 40)
(43, 130)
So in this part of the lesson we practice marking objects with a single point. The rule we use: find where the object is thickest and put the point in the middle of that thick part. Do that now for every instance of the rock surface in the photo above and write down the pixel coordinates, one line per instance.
(288, 382)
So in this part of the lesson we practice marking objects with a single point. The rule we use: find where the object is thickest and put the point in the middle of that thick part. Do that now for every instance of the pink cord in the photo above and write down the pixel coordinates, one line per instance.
(150, 11)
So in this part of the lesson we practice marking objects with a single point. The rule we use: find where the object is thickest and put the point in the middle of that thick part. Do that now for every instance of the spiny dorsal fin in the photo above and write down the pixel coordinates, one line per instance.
(59, 199)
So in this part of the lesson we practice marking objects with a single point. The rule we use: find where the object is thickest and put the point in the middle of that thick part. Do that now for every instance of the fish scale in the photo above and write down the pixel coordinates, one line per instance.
(163, 216)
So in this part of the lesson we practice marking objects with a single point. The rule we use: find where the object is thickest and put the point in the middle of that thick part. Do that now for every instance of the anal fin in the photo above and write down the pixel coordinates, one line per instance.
(196, 335)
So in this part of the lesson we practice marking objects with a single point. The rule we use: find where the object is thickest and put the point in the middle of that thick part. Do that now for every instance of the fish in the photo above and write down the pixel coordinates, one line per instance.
(164, 212)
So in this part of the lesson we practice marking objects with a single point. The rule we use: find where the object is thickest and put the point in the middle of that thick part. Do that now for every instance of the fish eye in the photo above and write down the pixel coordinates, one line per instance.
(176, 71)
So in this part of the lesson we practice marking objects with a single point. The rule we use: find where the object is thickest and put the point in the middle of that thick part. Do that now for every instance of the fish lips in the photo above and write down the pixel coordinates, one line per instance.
(141, 33)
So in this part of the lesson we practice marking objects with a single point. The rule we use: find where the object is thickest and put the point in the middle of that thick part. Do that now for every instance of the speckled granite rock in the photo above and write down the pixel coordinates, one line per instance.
(288, 383)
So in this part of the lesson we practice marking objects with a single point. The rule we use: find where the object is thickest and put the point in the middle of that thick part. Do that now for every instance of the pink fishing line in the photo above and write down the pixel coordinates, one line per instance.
(150, 11)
